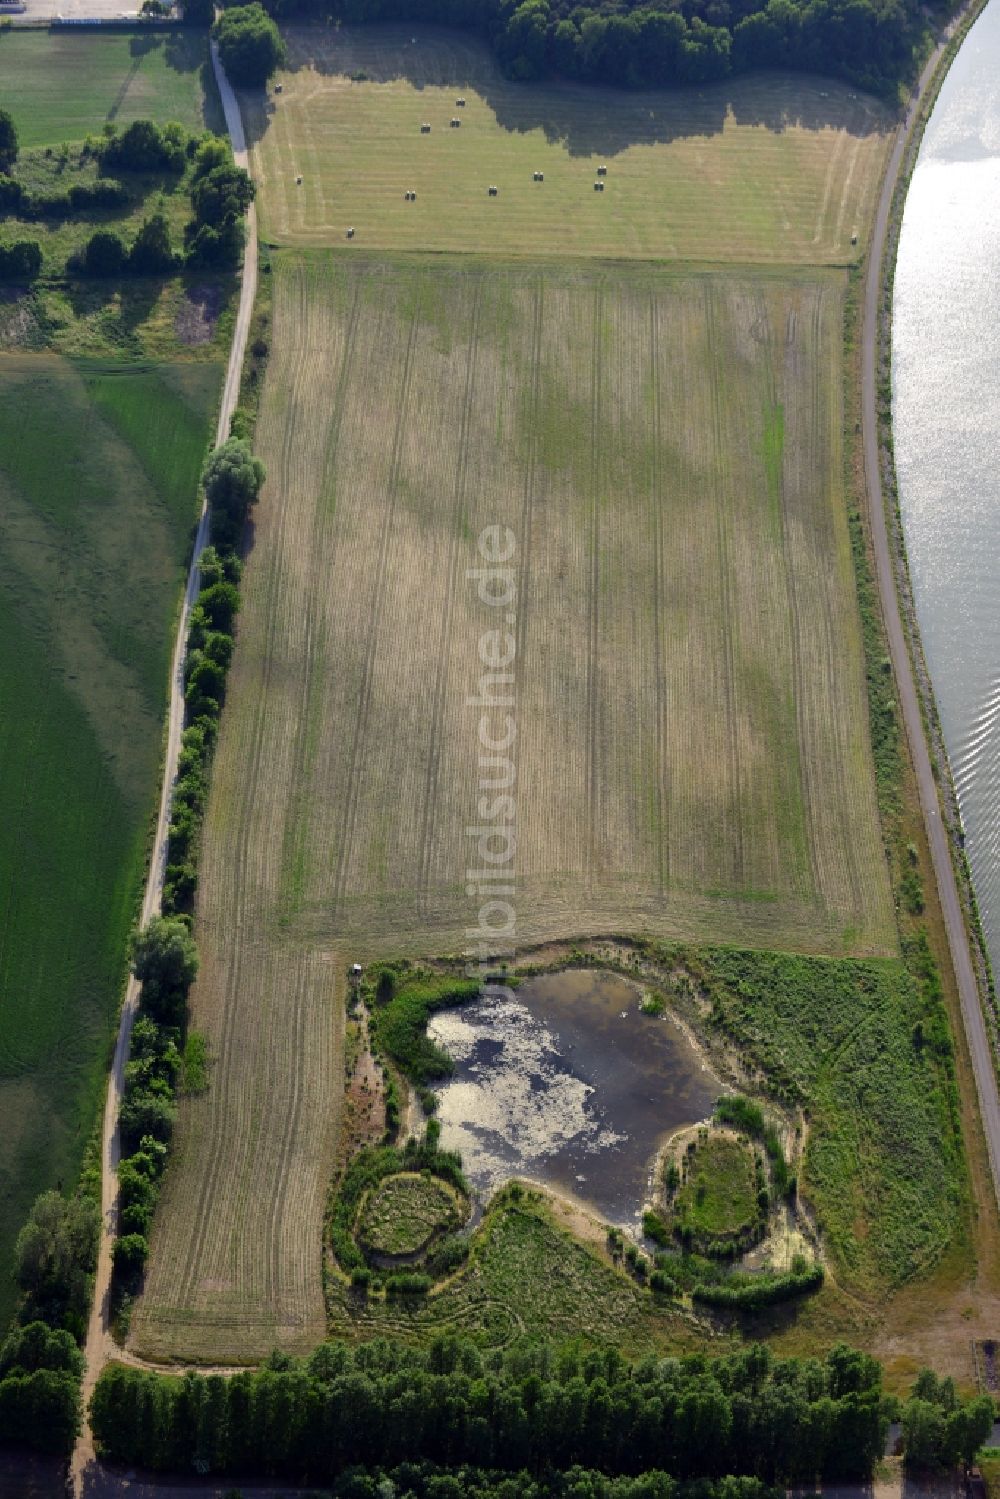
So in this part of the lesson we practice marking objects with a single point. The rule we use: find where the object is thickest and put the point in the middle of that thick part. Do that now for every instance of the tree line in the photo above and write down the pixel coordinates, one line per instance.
(163, 956)
(657, 43)
(745, 1421)
(748, 1414)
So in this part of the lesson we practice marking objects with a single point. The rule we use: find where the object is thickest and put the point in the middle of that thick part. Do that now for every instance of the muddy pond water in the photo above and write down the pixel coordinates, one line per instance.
(568, 1083)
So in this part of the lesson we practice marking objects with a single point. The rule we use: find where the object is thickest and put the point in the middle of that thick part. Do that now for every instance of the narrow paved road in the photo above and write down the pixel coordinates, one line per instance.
(958, 939)
(99, 1346)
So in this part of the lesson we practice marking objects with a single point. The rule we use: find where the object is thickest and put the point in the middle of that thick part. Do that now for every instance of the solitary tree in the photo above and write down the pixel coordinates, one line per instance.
(250, 44)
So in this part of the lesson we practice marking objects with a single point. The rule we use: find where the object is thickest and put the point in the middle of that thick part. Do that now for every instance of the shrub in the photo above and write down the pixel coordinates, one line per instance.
(151, 254)
(408, 1283)
(106, 192)
(145, 147)
(11, 194)
(654, 1228)
(129, 1257)
(752, 1295)
(103, 255)
(21, 261)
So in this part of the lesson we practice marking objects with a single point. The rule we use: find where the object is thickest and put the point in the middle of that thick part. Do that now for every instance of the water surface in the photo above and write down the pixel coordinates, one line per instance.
(570, 1084)
(946, 410)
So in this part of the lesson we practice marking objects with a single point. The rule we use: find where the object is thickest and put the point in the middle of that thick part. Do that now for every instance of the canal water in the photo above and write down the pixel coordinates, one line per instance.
(946, 414)
(568, 1083)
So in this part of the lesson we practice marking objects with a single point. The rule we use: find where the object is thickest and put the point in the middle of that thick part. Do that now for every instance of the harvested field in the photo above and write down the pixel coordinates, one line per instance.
(776, 168)
(92, 552)
(692, 756)
(62, 85)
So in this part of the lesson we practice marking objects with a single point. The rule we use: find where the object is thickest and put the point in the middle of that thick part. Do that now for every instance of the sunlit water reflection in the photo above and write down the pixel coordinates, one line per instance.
(946, 406)
(570, 1084)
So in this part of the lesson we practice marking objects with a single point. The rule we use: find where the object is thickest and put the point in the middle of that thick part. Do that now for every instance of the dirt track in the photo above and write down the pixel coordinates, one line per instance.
(99, 1345)
(937, 835)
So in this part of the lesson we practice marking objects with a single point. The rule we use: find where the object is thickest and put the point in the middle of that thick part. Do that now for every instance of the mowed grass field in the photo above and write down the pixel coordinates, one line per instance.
(98, 493)
(692, 752)
(64, 85)
(772, 169)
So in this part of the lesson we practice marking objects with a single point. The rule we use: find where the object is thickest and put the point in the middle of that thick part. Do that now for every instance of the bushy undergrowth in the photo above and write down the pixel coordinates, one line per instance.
(402, 1000)
(863, 1048)
(752, 1293)
(367, 1170)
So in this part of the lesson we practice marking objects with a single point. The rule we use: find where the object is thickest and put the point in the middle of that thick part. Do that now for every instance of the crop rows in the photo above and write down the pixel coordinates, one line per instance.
(691, 746)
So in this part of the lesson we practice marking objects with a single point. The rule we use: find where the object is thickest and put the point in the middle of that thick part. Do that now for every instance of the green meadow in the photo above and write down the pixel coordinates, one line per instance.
(62, 85)
(98, 496)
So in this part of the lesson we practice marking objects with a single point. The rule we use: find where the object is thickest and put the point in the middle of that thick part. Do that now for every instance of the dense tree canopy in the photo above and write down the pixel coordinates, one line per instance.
(56, 1252)
(249, 44)
(745, 1414)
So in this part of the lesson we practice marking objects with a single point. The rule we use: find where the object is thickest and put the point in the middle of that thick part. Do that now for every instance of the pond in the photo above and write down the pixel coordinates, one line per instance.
(567, 1082)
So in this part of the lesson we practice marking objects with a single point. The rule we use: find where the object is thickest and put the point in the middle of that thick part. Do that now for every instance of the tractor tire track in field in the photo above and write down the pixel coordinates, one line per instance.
(219, 1158)
(442, 658)
(734, 820)
(322, 562)
(99, 1344)
(803, 770)
(656, 516)
(593, 788)
(376, 615)
(523, 554)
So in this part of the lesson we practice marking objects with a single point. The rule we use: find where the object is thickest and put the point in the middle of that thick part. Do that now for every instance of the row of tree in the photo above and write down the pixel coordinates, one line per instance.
(163, 956)
(745, 1414)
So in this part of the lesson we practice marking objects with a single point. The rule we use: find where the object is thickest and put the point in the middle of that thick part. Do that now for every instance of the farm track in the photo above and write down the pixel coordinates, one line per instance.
(99, 1344)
